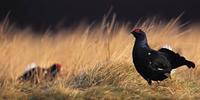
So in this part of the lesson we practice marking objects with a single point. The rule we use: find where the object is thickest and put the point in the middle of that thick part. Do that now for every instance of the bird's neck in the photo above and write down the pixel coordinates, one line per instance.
(142, 43)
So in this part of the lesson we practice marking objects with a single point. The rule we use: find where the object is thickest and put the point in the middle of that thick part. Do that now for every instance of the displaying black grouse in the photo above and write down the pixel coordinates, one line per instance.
(155, 65)
(35, 73)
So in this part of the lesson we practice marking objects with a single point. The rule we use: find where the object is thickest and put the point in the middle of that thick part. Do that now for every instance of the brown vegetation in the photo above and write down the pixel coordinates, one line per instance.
(96, 62)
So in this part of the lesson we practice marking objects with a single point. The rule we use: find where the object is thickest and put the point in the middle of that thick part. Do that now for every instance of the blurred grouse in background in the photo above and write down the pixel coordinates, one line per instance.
(34, 73)
(155, 65)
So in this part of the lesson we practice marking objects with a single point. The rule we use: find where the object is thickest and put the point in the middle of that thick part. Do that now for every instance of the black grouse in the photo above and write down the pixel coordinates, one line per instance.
(155, 65)
(35, 73)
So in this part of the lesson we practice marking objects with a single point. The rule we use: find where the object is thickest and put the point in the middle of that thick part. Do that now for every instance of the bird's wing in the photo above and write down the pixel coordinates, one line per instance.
(175, 59)
(158, 63)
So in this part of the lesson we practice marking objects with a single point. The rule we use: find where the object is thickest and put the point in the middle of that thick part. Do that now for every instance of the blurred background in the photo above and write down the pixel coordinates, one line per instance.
(42, 14)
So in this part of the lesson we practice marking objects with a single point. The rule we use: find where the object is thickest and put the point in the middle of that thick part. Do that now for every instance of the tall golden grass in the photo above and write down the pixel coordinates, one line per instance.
(96, 61)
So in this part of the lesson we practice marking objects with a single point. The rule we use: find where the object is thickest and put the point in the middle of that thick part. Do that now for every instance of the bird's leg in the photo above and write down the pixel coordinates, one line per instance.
(149, 81)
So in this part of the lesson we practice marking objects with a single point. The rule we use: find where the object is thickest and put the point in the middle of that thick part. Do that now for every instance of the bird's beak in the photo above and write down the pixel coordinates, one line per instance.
(168, 75)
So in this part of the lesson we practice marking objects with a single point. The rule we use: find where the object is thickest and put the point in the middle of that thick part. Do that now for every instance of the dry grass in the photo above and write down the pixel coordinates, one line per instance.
(97, 62)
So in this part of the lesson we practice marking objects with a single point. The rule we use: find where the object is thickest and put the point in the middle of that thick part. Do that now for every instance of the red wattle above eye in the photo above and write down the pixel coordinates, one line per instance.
(137, 30)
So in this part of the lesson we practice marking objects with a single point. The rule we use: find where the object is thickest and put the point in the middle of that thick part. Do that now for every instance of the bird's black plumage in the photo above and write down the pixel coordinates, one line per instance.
(175, 59)
(38, 73)
(154, 65)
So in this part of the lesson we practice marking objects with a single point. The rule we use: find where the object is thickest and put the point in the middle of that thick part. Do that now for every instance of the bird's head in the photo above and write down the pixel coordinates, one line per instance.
(55, 67)
(138, 34)
(58, 66)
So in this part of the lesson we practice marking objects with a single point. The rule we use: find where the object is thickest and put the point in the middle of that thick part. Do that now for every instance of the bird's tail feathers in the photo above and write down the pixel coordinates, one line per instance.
(168, 75)
(30, 66)
(173, 71)
(190, 64)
